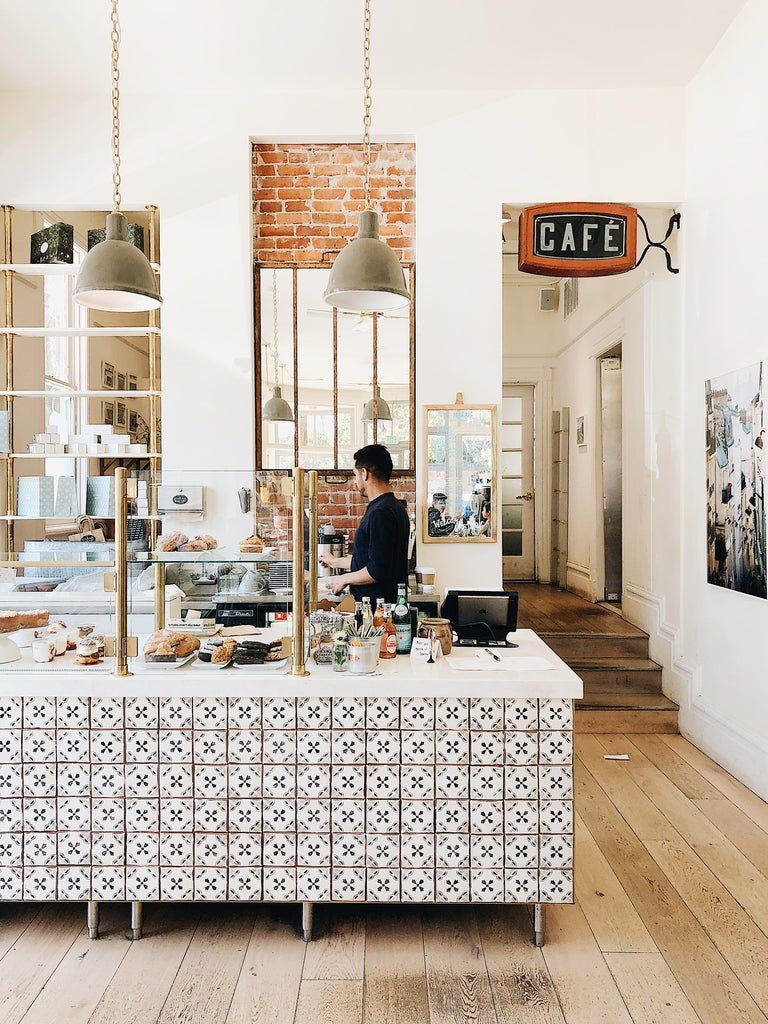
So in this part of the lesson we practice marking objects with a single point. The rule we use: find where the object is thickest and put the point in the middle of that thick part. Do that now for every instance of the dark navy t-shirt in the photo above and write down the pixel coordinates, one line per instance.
(381, 546)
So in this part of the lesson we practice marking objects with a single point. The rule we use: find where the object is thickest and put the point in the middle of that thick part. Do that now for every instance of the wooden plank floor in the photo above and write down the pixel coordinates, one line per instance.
(670, 926)
(547, 610)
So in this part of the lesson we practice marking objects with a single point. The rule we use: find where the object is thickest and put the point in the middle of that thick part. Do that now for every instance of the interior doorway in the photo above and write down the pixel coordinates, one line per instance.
(518, 501)
(611, 438)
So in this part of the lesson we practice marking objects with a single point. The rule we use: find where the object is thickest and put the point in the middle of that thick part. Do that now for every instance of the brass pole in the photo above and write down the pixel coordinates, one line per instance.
(297, 665)
(154, 432)
(10, 483)
(121, 573)
(312, 600)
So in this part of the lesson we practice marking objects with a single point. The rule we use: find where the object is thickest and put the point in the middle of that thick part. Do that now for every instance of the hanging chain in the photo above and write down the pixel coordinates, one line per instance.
(367, 116)
(115, 108)
(274, 321)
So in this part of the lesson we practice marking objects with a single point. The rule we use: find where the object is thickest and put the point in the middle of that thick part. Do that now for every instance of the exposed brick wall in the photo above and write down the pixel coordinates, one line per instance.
(340, 505)
(306, 199)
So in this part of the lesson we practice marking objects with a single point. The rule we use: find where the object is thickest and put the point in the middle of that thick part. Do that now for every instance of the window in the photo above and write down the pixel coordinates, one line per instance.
(327, 365)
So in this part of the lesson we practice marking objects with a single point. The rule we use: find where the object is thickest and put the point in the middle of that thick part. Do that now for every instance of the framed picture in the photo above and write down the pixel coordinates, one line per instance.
(133, 423)
(121, 382)
(581, 431)
(120, 419)
(132, 382)
(107, 375)
(108, 412)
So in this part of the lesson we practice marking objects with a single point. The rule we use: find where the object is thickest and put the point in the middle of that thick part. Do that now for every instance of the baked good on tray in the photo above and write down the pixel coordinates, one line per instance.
(88, 652)
(209, 541)
(36, 617)
(162, 653)
(252, 543)
(181, 644)
(9, 622)
(171, 541)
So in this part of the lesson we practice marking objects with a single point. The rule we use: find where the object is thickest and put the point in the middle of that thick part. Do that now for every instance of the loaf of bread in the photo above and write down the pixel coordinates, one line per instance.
(9, 621)
(251, 544)
(37, 617)
(193, 545)
(171, 541)
(181, 644)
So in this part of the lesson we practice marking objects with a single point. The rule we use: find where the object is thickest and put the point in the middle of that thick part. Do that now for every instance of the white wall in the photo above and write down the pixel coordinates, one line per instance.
(725, 633)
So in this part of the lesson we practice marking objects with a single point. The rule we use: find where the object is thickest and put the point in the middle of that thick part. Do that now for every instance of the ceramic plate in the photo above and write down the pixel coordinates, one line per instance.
(268, 666)
(147, 666)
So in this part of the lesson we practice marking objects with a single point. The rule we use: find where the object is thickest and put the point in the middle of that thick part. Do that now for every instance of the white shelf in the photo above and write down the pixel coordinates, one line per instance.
(41, 269)
(67, 455)
(80, 394)
(61, 519)
(80, 332)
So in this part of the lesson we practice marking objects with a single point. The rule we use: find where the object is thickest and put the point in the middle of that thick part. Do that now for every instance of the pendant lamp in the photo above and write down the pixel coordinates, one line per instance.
(276, 409)
(366, 275)
(383, 412)
(115, 275)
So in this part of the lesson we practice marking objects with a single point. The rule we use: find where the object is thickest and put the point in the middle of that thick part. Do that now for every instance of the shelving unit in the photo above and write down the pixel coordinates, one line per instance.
(12, 333)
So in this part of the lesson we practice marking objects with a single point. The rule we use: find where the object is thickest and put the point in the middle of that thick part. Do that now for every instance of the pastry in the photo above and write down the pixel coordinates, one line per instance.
(222, 653)
(85, 630)
(171, 541)
(38, 617)
(251, 544)
(99, 638)
(193, 545)
(88, 652)
(163, 653)
(9, 621)
(181, 644)
(209, 541)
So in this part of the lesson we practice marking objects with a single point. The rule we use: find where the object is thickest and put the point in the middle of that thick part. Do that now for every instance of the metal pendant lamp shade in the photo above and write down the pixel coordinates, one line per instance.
(366, 275)
(383, 412)
(276, 408)
(115, 275)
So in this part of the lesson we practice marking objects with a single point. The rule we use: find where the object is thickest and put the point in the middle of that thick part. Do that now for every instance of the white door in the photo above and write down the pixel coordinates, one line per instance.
(517, 495)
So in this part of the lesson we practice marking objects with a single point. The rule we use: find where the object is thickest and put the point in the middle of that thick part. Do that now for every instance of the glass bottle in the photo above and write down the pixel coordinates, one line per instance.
(388, 647)
(380, 614)
(401, 617)
(358, 613)
(367, 614)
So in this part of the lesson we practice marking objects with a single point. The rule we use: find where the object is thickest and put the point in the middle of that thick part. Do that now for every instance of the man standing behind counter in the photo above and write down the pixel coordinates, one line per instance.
(379, 559)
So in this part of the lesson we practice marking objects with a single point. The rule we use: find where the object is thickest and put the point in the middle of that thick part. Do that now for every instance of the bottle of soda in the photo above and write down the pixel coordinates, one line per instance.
(388, 647)
(358, 613)
(401, 617)
(379, 614)
(367, 614)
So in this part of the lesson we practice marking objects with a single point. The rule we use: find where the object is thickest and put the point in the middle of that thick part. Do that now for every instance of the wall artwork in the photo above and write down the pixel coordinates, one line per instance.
(108, 413)
(581, 431)
(107, 375)
(736, 530)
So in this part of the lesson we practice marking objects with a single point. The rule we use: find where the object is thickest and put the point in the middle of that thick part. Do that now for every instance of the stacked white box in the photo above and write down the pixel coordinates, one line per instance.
(66, 497)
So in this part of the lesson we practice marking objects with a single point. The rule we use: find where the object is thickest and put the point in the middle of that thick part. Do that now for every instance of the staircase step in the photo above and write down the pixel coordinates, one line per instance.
(597, 645)
(606, 675)
(625, 712)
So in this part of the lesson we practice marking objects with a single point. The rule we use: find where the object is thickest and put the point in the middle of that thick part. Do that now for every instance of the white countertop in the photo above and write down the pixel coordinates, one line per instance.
(398, 677)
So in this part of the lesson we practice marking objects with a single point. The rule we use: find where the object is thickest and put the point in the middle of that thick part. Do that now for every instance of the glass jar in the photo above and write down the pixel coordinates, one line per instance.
(340, 656)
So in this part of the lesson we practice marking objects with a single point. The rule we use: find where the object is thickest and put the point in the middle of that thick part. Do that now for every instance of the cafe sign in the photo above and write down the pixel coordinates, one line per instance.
(577, 239)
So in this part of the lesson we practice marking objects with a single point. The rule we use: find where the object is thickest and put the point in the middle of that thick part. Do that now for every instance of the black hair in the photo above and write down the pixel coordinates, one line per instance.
(376, 459)
(486, 505)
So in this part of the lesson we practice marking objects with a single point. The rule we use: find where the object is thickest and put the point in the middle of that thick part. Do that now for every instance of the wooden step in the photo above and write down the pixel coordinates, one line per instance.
(625, 712)
(607, 675)
(597, 645)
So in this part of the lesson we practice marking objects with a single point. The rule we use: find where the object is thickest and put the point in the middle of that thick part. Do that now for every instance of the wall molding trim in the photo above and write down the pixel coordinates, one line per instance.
(580, 580)
(743, 754)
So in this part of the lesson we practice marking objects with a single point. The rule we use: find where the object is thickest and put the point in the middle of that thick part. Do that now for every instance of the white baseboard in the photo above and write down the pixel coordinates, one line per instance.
(744, 755)
(579, 580)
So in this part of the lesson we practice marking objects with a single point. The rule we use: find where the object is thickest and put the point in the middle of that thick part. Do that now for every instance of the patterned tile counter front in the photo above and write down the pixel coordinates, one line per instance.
(301, 797)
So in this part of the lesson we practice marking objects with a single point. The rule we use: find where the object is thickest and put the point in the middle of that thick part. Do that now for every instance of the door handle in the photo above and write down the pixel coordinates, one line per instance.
(528, 496)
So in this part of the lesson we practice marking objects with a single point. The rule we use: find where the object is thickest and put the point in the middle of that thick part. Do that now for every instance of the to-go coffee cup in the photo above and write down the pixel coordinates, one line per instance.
(425, 580)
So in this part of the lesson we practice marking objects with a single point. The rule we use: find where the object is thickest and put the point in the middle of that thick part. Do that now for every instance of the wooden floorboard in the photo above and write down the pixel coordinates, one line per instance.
(670, 927)
(549, 610)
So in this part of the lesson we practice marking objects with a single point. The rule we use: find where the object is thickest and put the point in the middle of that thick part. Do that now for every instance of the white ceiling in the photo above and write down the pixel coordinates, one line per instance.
(488, 48)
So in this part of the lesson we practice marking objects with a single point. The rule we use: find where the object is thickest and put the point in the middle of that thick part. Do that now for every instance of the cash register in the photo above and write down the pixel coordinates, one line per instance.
(481, 618)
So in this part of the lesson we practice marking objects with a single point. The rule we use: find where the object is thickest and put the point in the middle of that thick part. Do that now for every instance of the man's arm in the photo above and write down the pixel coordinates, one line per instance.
(335, 561)
(359, 576)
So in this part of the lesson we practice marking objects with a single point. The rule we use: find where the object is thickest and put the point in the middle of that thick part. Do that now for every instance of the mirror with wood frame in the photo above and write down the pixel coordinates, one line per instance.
(460, 473)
